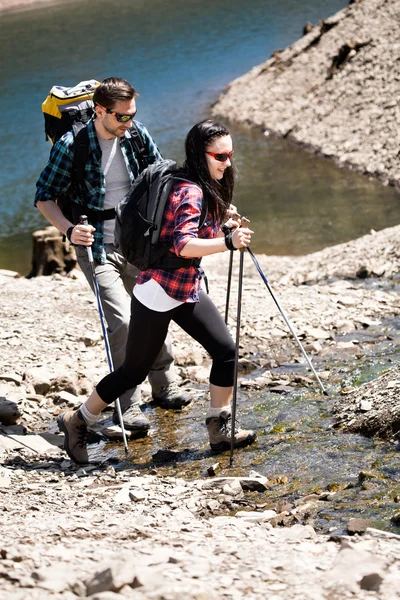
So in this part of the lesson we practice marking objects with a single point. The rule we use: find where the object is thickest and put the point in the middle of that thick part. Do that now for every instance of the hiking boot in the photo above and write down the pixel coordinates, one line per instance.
(220, 432)
(171, 396)
(133, 419)
(75, 432)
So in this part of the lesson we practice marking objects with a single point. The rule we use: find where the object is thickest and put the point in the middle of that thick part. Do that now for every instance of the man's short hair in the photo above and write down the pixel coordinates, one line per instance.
(112, 90)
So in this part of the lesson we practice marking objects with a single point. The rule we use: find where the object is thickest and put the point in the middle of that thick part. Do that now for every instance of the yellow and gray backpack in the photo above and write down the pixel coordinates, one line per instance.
(65, 106)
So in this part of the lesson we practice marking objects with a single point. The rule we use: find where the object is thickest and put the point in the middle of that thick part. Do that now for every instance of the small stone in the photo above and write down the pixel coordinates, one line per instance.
(395, 519)
(211, 471)
(138, 495)
(258, 517)
(357, 525)
(365, 405)
(371, 582)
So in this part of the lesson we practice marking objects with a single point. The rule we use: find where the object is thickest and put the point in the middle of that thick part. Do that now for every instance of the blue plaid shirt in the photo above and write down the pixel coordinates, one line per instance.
(55, 178)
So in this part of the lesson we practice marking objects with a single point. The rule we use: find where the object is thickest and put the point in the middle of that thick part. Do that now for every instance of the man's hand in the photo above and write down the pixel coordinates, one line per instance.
(82, 235)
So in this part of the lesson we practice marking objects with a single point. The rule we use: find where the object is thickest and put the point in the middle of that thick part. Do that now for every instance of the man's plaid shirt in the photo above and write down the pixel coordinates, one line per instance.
(55, 178)
(181, 221)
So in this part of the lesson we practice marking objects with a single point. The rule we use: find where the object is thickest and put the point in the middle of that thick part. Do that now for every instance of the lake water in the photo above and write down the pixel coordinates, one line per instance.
(179, 55)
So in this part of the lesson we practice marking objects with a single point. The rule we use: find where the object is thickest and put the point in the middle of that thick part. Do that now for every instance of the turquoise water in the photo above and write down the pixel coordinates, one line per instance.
(180, 56)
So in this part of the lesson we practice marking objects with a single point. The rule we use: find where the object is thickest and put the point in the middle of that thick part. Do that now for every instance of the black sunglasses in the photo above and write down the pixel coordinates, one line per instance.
(121, 118)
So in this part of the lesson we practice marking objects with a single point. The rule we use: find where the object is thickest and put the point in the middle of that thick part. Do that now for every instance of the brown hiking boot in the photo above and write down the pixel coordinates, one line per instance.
(75, 431)
(220, 432)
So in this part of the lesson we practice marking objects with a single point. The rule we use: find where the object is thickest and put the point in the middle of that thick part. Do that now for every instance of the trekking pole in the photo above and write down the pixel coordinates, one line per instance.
(84, 221)
(234, 215)
(285, 318)
(244, 222)
(228, 288)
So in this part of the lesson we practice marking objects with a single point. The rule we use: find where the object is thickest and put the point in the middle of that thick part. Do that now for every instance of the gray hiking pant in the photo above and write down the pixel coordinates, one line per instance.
(116, 279)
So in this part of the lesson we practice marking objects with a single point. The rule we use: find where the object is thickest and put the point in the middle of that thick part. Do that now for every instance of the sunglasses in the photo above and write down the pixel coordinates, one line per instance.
(121, 118)
(221, 157)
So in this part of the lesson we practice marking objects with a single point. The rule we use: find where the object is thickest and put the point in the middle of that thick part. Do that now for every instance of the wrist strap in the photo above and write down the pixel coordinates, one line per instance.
(228, 241)
(69, 233)
(225, 229)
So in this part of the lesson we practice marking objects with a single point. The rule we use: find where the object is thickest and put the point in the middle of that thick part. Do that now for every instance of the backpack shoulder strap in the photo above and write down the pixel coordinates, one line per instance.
(81, 152)
(139, 147)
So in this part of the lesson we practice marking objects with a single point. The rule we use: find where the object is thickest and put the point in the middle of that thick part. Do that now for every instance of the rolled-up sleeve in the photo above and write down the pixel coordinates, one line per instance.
(187, 216)
(55, 178)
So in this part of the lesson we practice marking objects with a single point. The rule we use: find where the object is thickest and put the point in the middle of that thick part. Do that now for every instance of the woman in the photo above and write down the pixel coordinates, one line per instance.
(162, 295)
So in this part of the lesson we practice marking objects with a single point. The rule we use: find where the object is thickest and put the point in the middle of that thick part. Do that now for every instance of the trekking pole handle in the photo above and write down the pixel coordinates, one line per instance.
(244, 222)
(83, 220)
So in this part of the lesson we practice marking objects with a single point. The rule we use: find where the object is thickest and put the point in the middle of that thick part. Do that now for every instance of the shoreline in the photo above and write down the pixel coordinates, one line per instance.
(10, 6)
(333, 92)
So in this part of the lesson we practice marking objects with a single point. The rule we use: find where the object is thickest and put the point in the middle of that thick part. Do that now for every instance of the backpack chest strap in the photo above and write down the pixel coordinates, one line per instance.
(96, 216)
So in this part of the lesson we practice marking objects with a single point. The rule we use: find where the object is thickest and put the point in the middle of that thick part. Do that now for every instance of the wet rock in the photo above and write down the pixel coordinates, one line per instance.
(165, 456)
(212, 469)
(395, 519)
(358, 525)
(259, 484)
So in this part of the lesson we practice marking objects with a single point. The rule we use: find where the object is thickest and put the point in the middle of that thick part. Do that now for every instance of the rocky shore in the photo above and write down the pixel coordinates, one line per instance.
(105, 531)
(335, 90)
(15, 5)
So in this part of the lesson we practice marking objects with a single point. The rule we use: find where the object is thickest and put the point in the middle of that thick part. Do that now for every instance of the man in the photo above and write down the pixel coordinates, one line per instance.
(111, 167)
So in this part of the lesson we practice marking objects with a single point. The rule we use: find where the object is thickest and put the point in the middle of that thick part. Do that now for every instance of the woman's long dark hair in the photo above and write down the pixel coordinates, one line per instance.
(218, 194)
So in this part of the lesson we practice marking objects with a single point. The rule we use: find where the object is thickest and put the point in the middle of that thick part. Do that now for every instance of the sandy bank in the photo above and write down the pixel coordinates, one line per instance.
(335, 90)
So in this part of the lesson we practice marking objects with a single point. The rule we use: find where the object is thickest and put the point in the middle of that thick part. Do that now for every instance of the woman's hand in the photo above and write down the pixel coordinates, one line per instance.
(232, 223)
(233, 212)
(241, 237)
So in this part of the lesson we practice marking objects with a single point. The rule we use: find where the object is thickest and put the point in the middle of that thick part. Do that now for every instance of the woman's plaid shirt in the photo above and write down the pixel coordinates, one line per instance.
(181, 221)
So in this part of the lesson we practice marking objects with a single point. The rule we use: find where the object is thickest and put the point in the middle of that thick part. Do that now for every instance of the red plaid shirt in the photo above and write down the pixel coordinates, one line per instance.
(181, 221)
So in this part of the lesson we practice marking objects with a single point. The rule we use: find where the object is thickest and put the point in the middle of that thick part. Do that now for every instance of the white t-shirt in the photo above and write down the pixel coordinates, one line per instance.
(153, 296)
(117, 180)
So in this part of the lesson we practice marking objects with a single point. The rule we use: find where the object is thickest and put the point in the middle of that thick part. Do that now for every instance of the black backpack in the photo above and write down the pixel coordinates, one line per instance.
(70, 108)
(138, 219)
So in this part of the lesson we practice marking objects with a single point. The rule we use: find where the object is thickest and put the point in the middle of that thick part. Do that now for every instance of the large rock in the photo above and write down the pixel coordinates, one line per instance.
(9, 412)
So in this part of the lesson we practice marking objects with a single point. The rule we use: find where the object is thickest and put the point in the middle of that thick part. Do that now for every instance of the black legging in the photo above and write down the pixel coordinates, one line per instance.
(147, 331)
